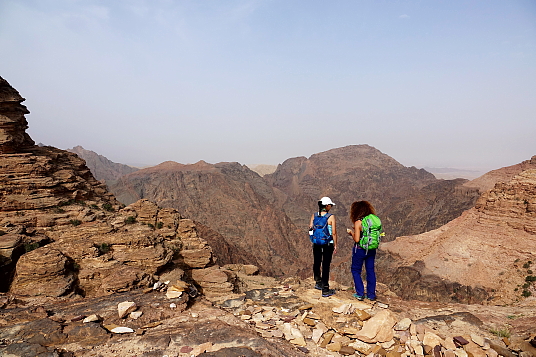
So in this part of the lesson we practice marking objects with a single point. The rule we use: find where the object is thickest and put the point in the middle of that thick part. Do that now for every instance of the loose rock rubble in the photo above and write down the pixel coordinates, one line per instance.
(344, 326)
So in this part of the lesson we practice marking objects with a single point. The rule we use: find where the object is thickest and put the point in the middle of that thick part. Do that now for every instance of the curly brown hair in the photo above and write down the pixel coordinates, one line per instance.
(360, 209)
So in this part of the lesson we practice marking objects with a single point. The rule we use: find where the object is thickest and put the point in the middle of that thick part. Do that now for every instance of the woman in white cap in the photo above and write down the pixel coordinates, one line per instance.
(323, 234)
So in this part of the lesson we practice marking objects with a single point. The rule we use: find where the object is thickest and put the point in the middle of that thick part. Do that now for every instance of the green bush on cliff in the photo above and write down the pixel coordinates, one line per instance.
(107, 207)
(75, 222)
(28, 247)
(104, 248)
(130, 220)
(72, 202)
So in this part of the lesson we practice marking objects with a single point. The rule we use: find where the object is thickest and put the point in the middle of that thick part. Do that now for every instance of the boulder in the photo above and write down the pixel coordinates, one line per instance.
(44, 272)
(214, 280)
(432, 340)
(378, 328)
(123, 278)
(8, 243)
(403, 324)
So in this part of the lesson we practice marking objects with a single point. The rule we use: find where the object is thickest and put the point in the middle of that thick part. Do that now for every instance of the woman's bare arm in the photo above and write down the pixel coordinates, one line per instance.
(332, 222)
(356, 232)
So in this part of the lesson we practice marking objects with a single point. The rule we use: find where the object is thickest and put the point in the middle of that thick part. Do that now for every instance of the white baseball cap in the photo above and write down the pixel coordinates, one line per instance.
(327, 201)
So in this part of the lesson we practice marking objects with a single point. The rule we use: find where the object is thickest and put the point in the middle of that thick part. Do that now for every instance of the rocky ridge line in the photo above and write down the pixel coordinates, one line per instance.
(102, 168)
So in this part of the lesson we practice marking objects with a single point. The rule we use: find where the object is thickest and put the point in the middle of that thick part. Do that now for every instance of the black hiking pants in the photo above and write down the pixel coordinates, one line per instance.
(322, 255)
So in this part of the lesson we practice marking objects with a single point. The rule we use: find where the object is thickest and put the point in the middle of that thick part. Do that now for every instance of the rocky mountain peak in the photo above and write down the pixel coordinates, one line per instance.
(355, 156)
(42, 188)
(13, 124)
(102, 168)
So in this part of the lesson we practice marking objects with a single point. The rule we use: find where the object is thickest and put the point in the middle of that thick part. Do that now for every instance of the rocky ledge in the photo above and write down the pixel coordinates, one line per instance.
(268, 318)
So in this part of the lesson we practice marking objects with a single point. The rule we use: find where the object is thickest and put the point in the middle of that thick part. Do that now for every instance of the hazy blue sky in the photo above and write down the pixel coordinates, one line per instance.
(430, 83)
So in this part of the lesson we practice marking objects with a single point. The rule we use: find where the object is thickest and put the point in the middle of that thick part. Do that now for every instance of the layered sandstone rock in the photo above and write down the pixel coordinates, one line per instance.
(43, 272)
(62, 233)
(485, 254)
(41, 178)
(123, 251)
(512, 203)
(116, 254)
(13, 124)
(43, 186)
(35, 179)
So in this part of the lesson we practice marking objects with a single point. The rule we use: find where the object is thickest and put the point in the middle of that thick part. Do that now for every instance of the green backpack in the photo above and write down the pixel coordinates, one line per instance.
(372, 232)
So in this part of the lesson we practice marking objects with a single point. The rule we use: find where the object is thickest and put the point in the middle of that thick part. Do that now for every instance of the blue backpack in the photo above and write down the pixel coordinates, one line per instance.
(321, 234)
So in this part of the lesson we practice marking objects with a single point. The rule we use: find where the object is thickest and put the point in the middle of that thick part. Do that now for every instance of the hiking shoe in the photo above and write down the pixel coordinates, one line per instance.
(318, 286)
(328, 293)
(358, 297)
(371, 299)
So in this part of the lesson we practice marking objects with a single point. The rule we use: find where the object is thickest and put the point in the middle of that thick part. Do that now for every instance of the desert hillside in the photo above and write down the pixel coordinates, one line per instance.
(409, 200)
(490, 248)
(504, 174)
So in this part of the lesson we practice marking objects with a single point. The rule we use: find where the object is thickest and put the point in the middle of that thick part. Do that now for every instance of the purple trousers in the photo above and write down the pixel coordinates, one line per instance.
(359, 257)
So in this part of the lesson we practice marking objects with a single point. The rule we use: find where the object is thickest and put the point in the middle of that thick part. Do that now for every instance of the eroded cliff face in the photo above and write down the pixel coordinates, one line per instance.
(13, 124)
(41, 187)
(488, 180)
(486, 253)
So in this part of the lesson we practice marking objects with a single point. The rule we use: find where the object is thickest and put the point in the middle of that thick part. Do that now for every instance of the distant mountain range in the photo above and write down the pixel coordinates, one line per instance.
(249, 218)
(449, 173)
(102, 168)
(264, 219)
